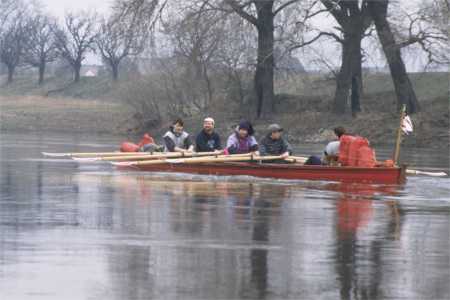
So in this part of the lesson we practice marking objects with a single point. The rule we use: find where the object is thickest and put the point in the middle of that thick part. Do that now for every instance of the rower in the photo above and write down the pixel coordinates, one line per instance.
(208, 140)
(331, 151)
(176, 139)
(274, 144)
(242, 140)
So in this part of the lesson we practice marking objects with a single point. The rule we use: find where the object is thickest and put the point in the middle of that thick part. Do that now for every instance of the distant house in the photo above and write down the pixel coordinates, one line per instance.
(90, 71)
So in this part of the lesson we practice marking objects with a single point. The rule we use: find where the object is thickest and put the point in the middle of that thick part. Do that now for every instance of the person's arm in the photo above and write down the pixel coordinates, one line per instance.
(218, 143)
(231, 145)
(262, 148)
(253, 144)
(200, 143)
(188, 145)
(170, 145)
(287, 147)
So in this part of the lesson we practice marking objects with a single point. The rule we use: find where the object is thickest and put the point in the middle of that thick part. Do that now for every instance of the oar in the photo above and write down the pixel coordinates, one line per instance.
(92, 154)
(297, 159)
(224, 158)
(145, 156)
(434, 174)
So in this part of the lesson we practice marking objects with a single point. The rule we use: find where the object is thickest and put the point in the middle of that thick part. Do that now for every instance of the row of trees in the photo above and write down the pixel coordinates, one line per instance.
(231, 37)
(30, 37)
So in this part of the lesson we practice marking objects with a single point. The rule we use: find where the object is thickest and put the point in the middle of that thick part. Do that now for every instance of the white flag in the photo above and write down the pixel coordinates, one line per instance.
(407, 125)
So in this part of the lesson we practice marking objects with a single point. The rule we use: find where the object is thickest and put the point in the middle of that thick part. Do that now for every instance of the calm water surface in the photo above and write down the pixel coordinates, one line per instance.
(87, 231)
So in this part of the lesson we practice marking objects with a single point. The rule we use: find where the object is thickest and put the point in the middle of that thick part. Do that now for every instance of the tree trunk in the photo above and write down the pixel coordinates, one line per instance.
(115, 71)
(41, 73)
(11, 70)
(350, 64)
(357, 82)
(403, 87)
(77, 70)
(356, 94)
(264, 87)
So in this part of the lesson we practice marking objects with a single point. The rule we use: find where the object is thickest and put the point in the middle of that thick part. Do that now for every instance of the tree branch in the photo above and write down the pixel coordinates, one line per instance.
(240, 11)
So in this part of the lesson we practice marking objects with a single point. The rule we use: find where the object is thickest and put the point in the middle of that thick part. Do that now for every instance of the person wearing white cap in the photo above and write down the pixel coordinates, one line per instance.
(208, 140)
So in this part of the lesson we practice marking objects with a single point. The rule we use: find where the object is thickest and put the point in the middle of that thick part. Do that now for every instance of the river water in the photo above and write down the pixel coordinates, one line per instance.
(87, 231)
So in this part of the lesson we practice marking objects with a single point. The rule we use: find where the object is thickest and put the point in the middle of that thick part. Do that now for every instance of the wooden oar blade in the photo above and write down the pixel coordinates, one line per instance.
(86, 159)
(433, 174)
(49, 154)
(123, 163)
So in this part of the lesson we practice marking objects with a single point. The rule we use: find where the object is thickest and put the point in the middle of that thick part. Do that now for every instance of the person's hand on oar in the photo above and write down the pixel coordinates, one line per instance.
(285, 155)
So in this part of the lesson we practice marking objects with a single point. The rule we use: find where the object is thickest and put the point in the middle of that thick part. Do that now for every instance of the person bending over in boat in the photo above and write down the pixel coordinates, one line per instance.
(242, 141)
(273, 143)
(331, 151)
(208, 140)
(176, 139)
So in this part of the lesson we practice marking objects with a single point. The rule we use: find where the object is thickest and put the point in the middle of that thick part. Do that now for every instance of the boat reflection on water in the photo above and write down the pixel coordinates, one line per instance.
(85, 231)
(216, 241)
(179, 235)
(359, 246)
(355, 203)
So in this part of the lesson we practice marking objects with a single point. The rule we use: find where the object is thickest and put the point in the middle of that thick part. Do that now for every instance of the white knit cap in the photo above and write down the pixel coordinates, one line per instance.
(209, 119)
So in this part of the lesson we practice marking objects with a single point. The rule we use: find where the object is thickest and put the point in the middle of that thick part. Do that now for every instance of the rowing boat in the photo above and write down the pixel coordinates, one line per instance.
(381, 175)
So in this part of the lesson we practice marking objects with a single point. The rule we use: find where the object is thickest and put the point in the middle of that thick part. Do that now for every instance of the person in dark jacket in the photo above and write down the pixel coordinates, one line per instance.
(273, 143)
(208, 140)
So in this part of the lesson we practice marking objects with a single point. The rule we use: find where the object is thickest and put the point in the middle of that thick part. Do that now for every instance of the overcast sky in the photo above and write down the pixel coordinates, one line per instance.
(59, 7)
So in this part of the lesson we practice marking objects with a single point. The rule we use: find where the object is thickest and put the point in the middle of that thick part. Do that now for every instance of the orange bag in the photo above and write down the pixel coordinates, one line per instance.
(344, 148)
(129, 147)
(366, 157)
(146, 139)
(353, 151)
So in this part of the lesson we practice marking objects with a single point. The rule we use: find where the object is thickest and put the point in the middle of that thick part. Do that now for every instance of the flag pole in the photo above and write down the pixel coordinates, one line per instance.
(399, 135)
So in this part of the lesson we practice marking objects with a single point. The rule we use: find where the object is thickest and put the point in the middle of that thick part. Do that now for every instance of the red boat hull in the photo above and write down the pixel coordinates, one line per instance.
(384, 175)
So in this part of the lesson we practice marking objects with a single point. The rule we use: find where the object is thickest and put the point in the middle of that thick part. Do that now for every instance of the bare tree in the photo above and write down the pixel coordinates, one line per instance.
(423, 28)
(235, 58)
(261, 14)
(40, 47)
(354, 19)
(403, 87)
(13, 18)
(197, 36)
(12, 42)
(76, 38)
(126, 32)
(7, 10)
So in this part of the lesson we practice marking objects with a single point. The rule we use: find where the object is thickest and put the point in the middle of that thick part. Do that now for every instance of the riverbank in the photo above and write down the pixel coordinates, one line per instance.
(65, 115)
(303, 102)
(97, 116)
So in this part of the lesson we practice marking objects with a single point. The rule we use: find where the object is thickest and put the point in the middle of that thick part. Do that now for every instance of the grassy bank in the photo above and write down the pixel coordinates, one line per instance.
(37, 113)
(303, 108)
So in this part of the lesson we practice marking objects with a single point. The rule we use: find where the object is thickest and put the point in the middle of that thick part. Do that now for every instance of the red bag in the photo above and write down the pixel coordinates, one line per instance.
(129, 147)
(357, 143)
(344, 148)
(146, 139)
(366, 157)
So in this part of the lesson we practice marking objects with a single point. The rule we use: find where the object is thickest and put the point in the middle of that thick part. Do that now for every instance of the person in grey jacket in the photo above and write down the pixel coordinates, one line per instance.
(273, 143)
(176, 139)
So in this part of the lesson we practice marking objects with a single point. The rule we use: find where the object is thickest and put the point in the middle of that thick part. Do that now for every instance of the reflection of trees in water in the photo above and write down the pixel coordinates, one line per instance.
(129, 267)
(259, 208)
(198, 216)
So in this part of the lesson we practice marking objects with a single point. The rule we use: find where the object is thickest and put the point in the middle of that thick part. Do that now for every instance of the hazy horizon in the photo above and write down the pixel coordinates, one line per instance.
(59, 7)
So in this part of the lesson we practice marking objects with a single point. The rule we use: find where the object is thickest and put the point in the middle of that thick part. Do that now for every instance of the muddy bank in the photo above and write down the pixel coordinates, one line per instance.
(43, 114)
(67, 115)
